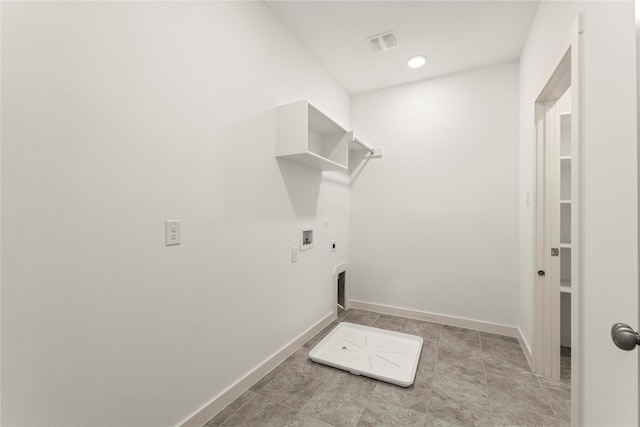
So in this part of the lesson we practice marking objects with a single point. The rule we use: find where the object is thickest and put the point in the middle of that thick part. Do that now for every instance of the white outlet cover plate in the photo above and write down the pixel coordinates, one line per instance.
(376, 353)
(172, 232)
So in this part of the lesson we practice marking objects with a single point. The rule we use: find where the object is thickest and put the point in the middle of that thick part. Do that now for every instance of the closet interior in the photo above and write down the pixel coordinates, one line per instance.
(565, 220)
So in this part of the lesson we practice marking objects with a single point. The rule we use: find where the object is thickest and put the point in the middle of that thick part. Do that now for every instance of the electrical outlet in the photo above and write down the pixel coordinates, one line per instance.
(294, 254)
(172, 232)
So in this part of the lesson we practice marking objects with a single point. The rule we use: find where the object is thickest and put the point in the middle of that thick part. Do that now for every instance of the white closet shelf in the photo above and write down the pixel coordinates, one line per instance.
(565, 289)
(565, 245)
(565, 202)
(306, 135)
(565, 158)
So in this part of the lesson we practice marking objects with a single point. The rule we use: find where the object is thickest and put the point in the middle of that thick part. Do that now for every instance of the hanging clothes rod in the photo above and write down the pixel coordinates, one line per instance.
(375, 152)
(363, 145)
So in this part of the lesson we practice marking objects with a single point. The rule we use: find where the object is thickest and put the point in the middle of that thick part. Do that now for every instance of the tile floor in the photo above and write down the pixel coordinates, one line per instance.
(464, 378)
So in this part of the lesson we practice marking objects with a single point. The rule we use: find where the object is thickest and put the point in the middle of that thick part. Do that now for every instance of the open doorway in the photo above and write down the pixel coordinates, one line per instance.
(557, 218)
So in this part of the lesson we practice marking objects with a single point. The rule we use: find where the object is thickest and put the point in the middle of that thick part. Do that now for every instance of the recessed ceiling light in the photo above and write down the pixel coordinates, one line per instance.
(417, 61)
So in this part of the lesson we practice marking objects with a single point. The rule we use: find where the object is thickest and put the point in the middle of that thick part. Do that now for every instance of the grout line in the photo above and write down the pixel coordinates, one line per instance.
(546, 396)
(279, 367)
(486, 379)
(367, 405)
(376, 319)
(279, 403)
(435, 371)
(236, 411)
(298, 410)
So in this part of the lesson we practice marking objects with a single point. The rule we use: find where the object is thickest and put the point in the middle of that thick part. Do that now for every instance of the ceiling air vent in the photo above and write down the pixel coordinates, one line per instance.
(384, 41)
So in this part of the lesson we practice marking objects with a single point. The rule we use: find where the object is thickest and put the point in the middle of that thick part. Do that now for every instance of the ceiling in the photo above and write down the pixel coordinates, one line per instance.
(453, 35)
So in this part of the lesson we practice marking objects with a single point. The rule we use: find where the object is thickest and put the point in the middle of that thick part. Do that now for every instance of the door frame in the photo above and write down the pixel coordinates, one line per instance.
(566, 70)
(637, 13)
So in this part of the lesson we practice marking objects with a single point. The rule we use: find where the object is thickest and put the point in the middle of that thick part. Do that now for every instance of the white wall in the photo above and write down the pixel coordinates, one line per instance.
(434, 222)
(609, 287)
(117, 116)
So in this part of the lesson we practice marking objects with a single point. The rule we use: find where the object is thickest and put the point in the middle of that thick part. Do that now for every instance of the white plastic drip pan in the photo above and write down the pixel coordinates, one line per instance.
(377, 353)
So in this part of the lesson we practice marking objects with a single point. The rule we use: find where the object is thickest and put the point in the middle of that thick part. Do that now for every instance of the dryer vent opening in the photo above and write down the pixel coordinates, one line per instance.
(340, 284)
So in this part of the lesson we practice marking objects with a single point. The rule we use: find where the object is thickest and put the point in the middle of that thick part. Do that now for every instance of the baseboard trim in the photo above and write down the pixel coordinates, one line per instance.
(494, 328)
(525, 349)
(218, 403)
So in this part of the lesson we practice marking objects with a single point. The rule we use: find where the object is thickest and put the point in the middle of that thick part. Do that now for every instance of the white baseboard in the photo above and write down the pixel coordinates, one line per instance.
(218, 403)
(494, 328)
(526, 349)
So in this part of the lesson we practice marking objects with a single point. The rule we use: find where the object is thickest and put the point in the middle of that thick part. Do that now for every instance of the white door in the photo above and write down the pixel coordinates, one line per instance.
(623, 335)
(613, 376)
(546, 346)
